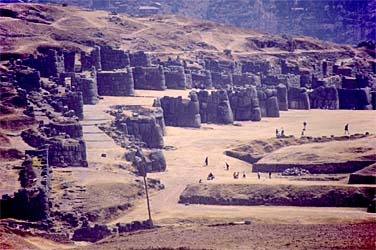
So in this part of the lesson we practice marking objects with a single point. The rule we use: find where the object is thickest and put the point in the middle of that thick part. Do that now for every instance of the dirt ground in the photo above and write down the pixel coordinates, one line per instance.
(272, 227)
(245, 237)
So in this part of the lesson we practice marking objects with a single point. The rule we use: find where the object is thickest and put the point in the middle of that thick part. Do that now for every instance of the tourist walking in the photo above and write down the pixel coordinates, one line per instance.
(347, 129)
(304, 125)
(206, 161)
(276, 133)
(270, 175)
(227, 167)
(258, 175)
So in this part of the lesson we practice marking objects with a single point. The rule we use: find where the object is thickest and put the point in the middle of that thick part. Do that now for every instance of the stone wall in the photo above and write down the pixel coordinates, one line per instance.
(241, 80)
(354, 98)
(259, 66)
(202, 79)
(139, 59)
(180, 112)
(74, 101)
(298, 98)
(268, 102)
(188, 78)
(282, 97)
(67, 126)
(50, 63)
(149, 78)
(62, 152)
(117, 83)
(289, 80)
(245, 104)
(146, 129)
(215, 107)
(277, 195)
(31, 202)
(92, 59)
(221, 66)
(88, 86)
(69, 61)
(113, 58)
(324, 98)
(221, 79)
(67, 152)
(175, 77)
(28, 79)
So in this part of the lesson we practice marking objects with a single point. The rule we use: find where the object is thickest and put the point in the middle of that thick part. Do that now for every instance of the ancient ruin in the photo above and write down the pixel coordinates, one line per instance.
(101, 110)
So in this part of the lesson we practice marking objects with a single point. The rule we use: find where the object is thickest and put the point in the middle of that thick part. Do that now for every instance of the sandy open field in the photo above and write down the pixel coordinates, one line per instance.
(185, 165)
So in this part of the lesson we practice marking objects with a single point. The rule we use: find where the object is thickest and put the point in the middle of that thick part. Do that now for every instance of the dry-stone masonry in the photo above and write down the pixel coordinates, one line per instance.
(115, 83)
(298, 98)
(149, 78)
(175, 77)
(215, 107)
(113, 58)
(245, 104)
(180, 112)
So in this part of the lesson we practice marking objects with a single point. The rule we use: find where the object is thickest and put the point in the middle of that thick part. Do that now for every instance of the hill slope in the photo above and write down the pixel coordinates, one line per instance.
(25, 27)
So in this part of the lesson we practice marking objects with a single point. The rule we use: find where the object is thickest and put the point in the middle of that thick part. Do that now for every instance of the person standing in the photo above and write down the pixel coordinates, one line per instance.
(304, 125)
(347, 129)
(227, 167)
(207, 161)
(258, 175)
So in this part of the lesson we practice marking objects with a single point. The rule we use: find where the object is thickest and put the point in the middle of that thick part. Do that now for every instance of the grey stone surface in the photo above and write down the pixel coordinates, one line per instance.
(115, 83)
(152, 78)
(181, 112)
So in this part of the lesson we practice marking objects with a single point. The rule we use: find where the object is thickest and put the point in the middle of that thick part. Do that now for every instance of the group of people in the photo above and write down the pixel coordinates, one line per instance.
(278, 135)
(235, 174)
(259, 175)
(282, 134)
